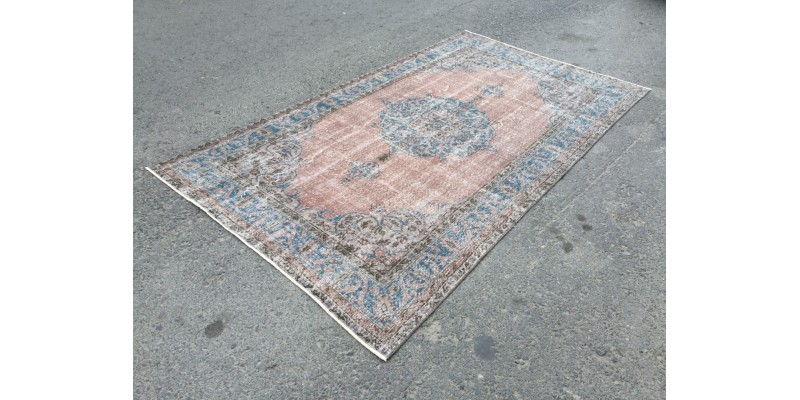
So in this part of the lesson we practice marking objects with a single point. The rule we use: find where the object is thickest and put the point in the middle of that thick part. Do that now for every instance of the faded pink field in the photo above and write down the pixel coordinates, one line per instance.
(519, 117)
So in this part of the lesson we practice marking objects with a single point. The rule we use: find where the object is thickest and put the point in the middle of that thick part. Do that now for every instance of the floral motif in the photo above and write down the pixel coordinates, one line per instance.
(271, 166)
(562, 95)
(473, 59)
(491, 90)
(382, 239)
(435, 127)
(363, 170)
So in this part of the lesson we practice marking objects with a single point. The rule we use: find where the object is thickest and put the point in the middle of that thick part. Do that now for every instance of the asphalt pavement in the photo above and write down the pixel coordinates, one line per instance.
(569, 305)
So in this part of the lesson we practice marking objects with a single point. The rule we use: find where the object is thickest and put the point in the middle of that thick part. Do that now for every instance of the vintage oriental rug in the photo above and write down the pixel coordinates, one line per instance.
(379, 197)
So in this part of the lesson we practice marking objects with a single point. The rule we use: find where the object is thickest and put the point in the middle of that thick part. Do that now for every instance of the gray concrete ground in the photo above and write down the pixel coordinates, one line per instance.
(570, 304)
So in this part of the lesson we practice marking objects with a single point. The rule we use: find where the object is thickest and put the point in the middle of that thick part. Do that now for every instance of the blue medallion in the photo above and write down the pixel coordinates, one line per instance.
(435, 127)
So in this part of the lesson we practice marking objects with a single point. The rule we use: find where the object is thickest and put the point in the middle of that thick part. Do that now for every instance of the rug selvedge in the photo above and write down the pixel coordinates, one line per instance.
(382, 271)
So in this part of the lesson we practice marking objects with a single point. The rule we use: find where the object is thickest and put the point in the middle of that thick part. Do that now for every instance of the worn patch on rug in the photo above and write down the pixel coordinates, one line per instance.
(377, 198)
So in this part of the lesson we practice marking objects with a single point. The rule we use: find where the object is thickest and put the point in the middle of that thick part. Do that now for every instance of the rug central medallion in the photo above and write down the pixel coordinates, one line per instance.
(396, 150)
(436, 127)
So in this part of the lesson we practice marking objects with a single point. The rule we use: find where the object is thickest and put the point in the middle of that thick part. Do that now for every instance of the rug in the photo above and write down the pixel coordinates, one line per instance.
(378, 197)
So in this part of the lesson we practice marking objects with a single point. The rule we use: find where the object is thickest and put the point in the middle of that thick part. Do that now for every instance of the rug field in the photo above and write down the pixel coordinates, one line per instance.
(377, 198)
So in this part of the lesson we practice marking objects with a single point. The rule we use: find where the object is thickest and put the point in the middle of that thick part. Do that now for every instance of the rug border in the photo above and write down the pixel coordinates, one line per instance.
(264, 256)
(582, 150)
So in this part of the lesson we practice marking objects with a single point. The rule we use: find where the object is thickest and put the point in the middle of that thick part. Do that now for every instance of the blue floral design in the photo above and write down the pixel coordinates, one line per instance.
(492, 91)
(364, 170)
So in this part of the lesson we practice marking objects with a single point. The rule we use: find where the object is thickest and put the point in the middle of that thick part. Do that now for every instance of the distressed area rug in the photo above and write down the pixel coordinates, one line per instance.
(378, 198)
